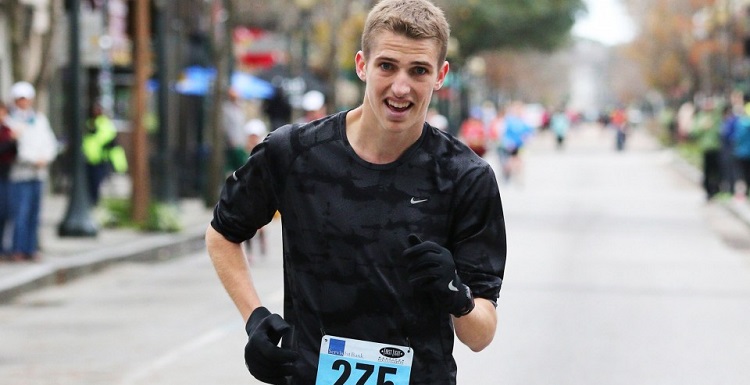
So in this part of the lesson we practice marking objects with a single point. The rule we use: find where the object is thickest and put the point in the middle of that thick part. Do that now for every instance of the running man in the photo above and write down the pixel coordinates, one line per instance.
(393, 231)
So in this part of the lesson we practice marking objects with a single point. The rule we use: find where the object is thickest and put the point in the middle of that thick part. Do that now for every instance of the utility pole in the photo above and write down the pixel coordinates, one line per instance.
(77, 221)
(221, 51)
(140, 169)
(165, 191)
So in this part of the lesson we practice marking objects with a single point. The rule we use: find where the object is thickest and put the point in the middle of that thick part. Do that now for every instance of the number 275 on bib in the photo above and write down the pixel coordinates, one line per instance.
(346, 361)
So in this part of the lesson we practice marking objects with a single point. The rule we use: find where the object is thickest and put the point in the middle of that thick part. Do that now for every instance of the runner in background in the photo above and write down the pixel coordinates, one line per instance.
(517, 131)
(619, 122)
(473, 132)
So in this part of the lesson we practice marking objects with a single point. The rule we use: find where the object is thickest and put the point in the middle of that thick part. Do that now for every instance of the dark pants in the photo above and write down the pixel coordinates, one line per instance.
(4, 214)
(620, 138)
(96, 174)
(711, 172)
(560, 139)
(729, 169)
(27, 200)
(744, 166)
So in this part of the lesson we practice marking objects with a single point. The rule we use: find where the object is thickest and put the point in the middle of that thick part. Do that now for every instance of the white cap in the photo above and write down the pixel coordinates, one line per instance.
(22, 90)
(255, 127)
(313, 100)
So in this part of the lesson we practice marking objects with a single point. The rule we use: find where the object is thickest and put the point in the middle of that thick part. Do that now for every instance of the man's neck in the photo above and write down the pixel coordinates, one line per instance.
(371, 143)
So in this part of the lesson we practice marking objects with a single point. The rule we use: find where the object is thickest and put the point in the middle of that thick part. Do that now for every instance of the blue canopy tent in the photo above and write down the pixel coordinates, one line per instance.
(197, 81)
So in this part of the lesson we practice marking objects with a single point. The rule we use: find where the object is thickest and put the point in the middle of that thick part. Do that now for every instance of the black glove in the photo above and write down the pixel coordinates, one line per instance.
(265, 360)
(433, 271)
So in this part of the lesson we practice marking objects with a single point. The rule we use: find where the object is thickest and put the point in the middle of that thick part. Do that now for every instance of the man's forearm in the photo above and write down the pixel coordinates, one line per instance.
(233, 271)
(477, 329)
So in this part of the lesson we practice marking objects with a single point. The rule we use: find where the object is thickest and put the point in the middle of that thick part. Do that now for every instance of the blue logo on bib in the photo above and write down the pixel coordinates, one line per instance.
(336, 347)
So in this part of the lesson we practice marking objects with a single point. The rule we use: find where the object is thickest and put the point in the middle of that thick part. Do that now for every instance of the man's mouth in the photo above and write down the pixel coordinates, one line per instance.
(398, 106)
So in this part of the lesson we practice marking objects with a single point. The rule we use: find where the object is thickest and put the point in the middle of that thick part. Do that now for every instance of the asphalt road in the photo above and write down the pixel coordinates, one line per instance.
(618, 273)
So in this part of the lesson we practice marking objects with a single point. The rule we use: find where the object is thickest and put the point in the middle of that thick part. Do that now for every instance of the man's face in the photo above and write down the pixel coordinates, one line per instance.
(400, 75)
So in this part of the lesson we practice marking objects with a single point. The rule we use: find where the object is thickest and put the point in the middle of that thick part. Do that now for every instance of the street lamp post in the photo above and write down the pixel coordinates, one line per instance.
(299, 86)
(305, 7)
(77, 221)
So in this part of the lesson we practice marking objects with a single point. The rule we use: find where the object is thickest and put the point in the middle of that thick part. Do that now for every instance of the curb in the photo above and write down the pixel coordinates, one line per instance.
(740, 209)
(153, 248)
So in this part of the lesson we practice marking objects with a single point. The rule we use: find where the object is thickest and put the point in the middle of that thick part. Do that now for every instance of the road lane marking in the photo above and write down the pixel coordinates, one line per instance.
(275, 298)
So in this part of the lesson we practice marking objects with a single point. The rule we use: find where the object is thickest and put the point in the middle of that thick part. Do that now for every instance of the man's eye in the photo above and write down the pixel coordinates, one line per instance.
(386, 66)
(420, 70)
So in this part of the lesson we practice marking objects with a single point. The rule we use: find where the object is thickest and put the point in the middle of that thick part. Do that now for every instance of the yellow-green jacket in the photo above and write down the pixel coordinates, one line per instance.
(100, 144)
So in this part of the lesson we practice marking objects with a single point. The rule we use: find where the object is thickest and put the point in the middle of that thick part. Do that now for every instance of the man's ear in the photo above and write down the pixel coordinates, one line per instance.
(442, 73)
(360, 65)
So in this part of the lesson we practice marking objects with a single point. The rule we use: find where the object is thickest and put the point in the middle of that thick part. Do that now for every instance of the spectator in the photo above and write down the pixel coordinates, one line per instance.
(37, 148)
(102, 152)
(742, 151)
(278, 109)
(233, 120)
(684, 119)
(314, 105)
(728, 164)
(8, 151)
(705, 133)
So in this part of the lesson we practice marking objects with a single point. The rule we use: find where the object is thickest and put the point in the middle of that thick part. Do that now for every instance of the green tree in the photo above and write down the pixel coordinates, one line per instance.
(486, 25)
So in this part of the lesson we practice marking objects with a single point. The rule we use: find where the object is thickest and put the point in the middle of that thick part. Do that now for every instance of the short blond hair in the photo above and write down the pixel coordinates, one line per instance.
(415, 19)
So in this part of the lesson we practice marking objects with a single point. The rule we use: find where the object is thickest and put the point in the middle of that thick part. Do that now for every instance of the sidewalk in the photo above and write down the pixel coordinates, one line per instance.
(66, 258)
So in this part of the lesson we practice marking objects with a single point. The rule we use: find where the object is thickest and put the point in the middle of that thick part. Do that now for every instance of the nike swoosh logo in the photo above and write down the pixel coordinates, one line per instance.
(452, 287)
(415, 201)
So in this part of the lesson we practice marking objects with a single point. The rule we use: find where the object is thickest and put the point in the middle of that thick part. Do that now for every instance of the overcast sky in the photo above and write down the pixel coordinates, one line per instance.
(607, 21)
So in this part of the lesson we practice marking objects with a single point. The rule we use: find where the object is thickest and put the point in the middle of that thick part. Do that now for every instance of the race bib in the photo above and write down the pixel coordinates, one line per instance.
(346, 361)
